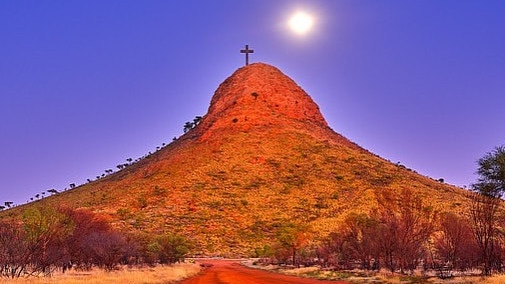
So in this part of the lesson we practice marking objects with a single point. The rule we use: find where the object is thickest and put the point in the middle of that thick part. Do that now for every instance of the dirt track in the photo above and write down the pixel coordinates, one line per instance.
(231, 272)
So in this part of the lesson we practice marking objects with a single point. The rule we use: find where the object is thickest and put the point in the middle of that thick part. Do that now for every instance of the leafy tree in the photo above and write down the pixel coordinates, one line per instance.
(489, 189)
(360, 233)
(332, 249)
(455, 245)
(491, 171)
(45, 230)
(405, 226)
(86, 223)
(484, 214)
(105, 248)
(292, 238)
(170, 248)
(14, 251)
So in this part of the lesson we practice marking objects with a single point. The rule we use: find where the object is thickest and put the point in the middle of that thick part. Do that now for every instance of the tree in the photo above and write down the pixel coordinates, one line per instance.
(360, 233)
(489, 189)
(455, 245)
(484, 213)
(105, 248)
(332, 251)
(188, 126)
(196, 120)
(405, 226)
(45, 230)
(14, 251)
(86, 223)
(292, 238)
(170, 248)
(491, 171)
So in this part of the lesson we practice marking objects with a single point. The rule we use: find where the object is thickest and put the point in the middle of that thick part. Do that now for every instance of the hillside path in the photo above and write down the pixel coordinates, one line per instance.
(232, 272)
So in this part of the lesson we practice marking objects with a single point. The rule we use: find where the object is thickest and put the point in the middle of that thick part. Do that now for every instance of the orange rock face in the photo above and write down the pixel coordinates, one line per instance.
(256, 95)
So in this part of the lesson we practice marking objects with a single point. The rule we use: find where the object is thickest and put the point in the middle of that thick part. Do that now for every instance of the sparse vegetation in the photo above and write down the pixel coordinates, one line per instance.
(278, 185)
(159, 274)
(192, 124)
(49, 240)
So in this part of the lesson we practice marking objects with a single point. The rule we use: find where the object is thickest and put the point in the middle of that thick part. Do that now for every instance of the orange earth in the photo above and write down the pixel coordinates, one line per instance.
(232, 272)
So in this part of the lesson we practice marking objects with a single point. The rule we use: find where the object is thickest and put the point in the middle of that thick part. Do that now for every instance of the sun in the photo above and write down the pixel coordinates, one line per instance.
(301, 22)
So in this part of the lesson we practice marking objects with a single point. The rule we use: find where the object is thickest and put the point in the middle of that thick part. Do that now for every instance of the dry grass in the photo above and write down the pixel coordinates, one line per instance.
(146, 275)
(495, 279)
(383, 277)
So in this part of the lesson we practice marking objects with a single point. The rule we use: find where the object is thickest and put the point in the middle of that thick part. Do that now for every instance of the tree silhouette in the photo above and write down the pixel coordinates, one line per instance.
(196, 120)
(188, 126)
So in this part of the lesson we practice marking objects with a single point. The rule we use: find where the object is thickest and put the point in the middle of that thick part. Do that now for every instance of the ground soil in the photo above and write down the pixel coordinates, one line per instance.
(232, 272)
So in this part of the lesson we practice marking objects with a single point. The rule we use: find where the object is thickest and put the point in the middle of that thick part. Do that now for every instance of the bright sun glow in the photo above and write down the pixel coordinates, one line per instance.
(301, 23)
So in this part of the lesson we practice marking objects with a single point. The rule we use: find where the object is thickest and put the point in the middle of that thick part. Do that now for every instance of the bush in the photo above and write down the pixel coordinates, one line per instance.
(169, 248)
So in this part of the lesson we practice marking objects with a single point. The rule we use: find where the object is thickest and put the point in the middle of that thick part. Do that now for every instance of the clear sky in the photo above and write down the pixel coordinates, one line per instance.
(84, 85)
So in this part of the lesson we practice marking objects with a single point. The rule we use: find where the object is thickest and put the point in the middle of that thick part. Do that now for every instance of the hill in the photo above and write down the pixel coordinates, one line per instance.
(261, 157)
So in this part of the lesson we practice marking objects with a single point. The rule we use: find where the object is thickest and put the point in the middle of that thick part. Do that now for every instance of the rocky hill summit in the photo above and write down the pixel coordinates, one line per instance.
(262, 157)
(259, 95)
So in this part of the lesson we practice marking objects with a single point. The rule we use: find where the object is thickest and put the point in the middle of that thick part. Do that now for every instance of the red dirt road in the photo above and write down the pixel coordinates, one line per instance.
(232, 272)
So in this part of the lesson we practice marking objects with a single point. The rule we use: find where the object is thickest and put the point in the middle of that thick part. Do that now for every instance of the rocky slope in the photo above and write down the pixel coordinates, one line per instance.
(262, 156)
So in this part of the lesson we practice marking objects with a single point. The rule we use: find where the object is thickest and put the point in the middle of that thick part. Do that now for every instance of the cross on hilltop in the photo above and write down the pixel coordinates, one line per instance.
(246, 51)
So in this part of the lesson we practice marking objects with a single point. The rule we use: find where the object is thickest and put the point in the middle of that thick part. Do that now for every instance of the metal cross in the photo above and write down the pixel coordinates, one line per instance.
(246, 51)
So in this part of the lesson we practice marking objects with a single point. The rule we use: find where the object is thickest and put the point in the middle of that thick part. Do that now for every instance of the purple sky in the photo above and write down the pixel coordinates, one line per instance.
(84, 85)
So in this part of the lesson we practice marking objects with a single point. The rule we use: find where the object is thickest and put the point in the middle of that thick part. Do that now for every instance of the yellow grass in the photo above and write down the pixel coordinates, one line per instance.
(495, 279)
(146, 275)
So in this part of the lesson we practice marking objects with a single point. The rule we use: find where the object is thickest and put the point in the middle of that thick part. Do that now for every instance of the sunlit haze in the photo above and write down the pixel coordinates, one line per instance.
(301, 22)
